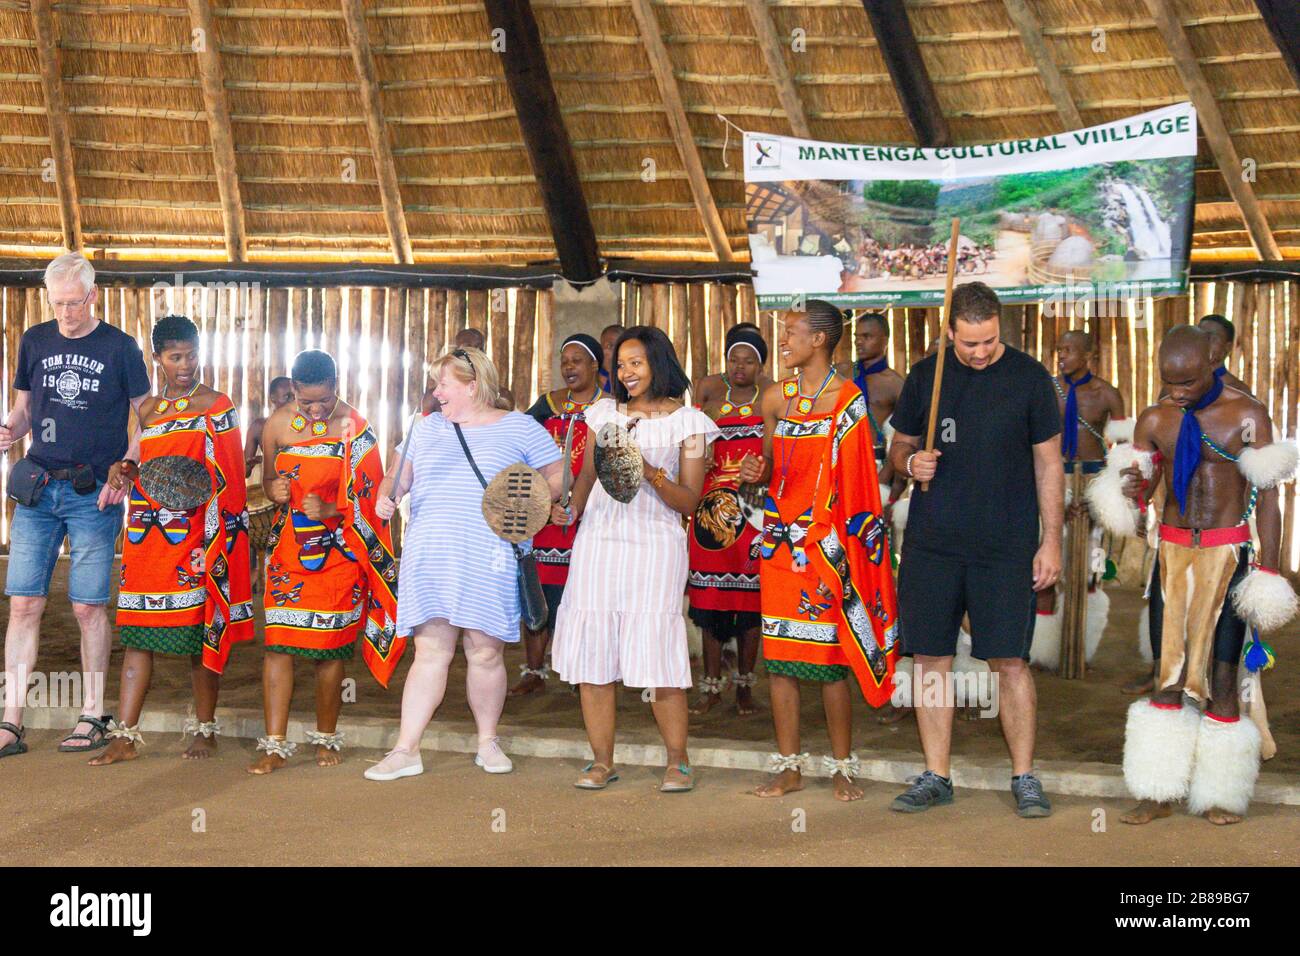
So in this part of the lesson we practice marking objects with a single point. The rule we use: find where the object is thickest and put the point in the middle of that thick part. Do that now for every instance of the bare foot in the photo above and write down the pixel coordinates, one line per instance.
(1221, 818)
(528, 684)
(1140, 685)
(889, 714)
(266, 763)
(705, 703)
(119, 748)
(845, 789)
(1146, 811)
(745, 705)
(200, 748)
(787, 781)
(328, 758)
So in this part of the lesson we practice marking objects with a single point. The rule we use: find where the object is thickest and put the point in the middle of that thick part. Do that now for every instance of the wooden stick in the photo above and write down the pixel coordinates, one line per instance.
(942, 350)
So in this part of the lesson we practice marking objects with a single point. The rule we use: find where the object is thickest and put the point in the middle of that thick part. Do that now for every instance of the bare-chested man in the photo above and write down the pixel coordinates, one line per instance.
(881, 385)
(1212, 448)
(1092, 417)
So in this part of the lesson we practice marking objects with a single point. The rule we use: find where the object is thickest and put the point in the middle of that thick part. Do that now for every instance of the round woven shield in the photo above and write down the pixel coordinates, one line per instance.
(751, 498)
(176, 482)
(517, 503)
(619, 465)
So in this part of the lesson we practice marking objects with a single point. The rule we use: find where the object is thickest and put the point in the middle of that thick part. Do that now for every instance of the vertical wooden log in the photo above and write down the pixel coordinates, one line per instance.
(416, 334)
(630, 312)
(317, 309)
(277, 331)
(729, 309)
(1278, 362)
(767, 325)
(477, 310)
(394, 372)
(748, 304)
(898, 340)
(1243, 302)
(209, 305)
(932, 324)
(660, 306)
(715, 329)
(331, 304)
(645, 304)
(1032, 322)
(371, 378)
(350, 345)
(457, 303)
(301, 317)
(1124, 361)
(698, 340)
(525, 342)
(1047, 319)
(255, 328)
(1291, 525)
(1141, 355)
(1263, 341)
(680, 336)
(17, 312)
(239, 345)
(499, 304)
(917, 336)
(437, 334)
(545, 338)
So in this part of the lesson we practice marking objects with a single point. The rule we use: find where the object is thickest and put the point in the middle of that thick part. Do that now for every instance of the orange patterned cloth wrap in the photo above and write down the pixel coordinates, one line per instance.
(827, 591)
(191, 568)
(329, 581)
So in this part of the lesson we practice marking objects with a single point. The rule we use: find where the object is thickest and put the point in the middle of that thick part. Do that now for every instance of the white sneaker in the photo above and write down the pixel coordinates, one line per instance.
(492, 758)
(395, 765)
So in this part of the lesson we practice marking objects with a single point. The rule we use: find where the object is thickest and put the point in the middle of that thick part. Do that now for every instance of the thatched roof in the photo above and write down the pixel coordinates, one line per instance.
(145, 172)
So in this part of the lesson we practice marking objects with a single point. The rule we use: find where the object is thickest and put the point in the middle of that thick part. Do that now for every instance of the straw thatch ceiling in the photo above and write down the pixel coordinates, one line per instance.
(142, 146)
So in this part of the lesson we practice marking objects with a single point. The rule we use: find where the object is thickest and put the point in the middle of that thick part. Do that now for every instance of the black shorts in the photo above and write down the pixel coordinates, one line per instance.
(1229, 631)
(934, 591)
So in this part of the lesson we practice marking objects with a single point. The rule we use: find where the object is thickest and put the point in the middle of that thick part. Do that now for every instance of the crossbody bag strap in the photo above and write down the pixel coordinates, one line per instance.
(464, 445)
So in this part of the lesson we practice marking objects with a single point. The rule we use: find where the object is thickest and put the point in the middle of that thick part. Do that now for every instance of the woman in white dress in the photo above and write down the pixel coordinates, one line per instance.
(621, 617)
(458, 578)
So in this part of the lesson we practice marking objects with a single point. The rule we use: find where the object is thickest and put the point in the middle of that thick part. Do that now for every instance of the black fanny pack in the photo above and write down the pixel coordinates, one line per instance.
(27, 480)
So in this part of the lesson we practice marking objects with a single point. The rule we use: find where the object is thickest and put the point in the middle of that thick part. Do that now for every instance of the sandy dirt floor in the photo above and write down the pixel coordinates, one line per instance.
(457, 815)
(1078, 720)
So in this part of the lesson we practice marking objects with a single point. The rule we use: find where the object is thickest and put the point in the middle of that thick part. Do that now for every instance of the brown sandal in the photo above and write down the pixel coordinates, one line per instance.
(589, 780)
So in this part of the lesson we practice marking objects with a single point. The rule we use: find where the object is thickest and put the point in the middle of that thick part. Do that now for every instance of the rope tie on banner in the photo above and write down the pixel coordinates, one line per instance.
(726, 139)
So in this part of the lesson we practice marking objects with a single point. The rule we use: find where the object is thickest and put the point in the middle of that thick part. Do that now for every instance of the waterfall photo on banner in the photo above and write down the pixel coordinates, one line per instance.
(1105, 210)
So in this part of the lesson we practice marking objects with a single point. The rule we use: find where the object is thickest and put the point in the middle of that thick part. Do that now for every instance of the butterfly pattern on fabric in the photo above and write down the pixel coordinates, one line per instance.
(276, 574)
(367, 483)
(813, 609)
(187, 579)
(776, 533)
(289, 596)
(173, 525)
(234, 524)
(316, 541)
(870, 530)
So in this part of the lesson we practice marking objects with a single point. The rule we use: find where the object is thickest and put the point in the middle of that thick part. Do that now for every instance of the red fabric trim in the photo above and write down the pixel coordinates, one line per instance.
(1165, 706)
(1222, 720)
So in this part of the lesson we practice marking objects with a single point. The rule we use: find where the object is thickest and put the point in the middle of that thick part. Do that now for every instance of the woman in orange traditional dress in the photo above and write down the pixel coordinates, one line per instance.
(184, 586)
(561, 412)
(829, 606)
(331, 576)
(723, 582)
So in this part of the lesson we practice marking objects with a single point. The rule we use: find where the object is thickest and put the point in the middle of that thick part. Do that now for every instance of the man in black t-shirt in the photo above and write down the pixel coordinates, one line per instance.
(74, 389)
(973, 544)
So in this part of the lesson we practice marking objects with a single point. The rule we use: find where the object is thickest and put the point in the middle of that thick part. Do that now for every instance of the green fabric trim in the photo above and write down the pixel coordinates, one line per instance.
(344, 653)
(824, 673)
(185, 640)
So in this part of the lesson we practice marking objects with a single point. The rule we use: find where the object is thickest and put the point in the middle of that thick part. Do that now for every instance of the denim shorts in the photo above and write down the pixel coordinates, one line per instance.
(37, 532)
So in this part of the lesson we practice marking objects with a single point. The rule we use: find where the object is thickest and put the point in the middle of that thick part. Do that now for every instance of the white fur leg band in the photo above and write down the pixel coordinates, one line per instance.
(1264, 600)
(1226, 767)
(1045, 648)
(1119, 430)
(1159, 743)
(1111, 508)
(1267, 466)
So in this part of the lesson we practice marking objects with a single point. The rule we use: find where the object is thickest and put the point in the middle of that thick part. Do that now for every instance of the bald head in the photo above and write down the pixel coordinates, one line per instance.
(1185, 364)
(470, 338)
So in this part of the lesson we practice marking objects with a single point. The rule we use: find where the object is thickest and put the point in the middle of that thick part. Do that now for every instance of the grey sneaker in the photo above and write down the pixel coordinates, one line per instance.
(1030, 799)
(926, 791)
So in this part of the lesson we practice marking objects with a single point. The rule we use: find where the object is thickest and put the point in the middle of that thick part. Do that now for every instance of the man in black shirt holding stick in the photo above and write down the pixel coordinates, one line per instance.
(973, 544)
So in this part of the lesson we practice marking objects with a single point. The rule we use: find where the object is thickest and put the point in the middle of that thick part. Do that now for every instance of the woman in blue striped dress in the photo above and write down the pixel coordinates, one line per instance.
(458, 578)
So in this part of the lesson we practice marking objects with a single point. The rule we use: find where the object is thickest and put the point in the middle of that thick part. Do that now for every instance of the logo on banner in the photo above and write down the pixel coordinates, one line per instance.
(764, 153)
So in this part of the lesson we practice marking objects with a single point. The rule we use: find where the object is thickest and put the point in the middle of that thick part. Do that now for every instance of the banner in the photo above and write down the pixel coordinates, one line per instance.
(1099, 212)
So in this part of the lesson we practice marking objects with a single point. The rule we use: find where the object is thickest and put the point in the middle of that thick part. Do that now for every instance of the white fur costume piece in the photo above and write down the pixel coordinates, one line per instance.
(1159, 745)
(1267, 466)
(1144, 636)
(1045, 650)
(1119, 430)
(1266, 601)
(1110, 507)
(1226, 766)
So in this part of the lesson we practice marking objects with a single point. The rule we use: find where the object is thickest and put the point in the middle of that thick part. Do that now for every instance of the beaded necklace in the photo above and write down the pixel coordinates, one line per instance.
(181, 403)
(319, 427)
(572, 405)
(790, 390)
(728, 406)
